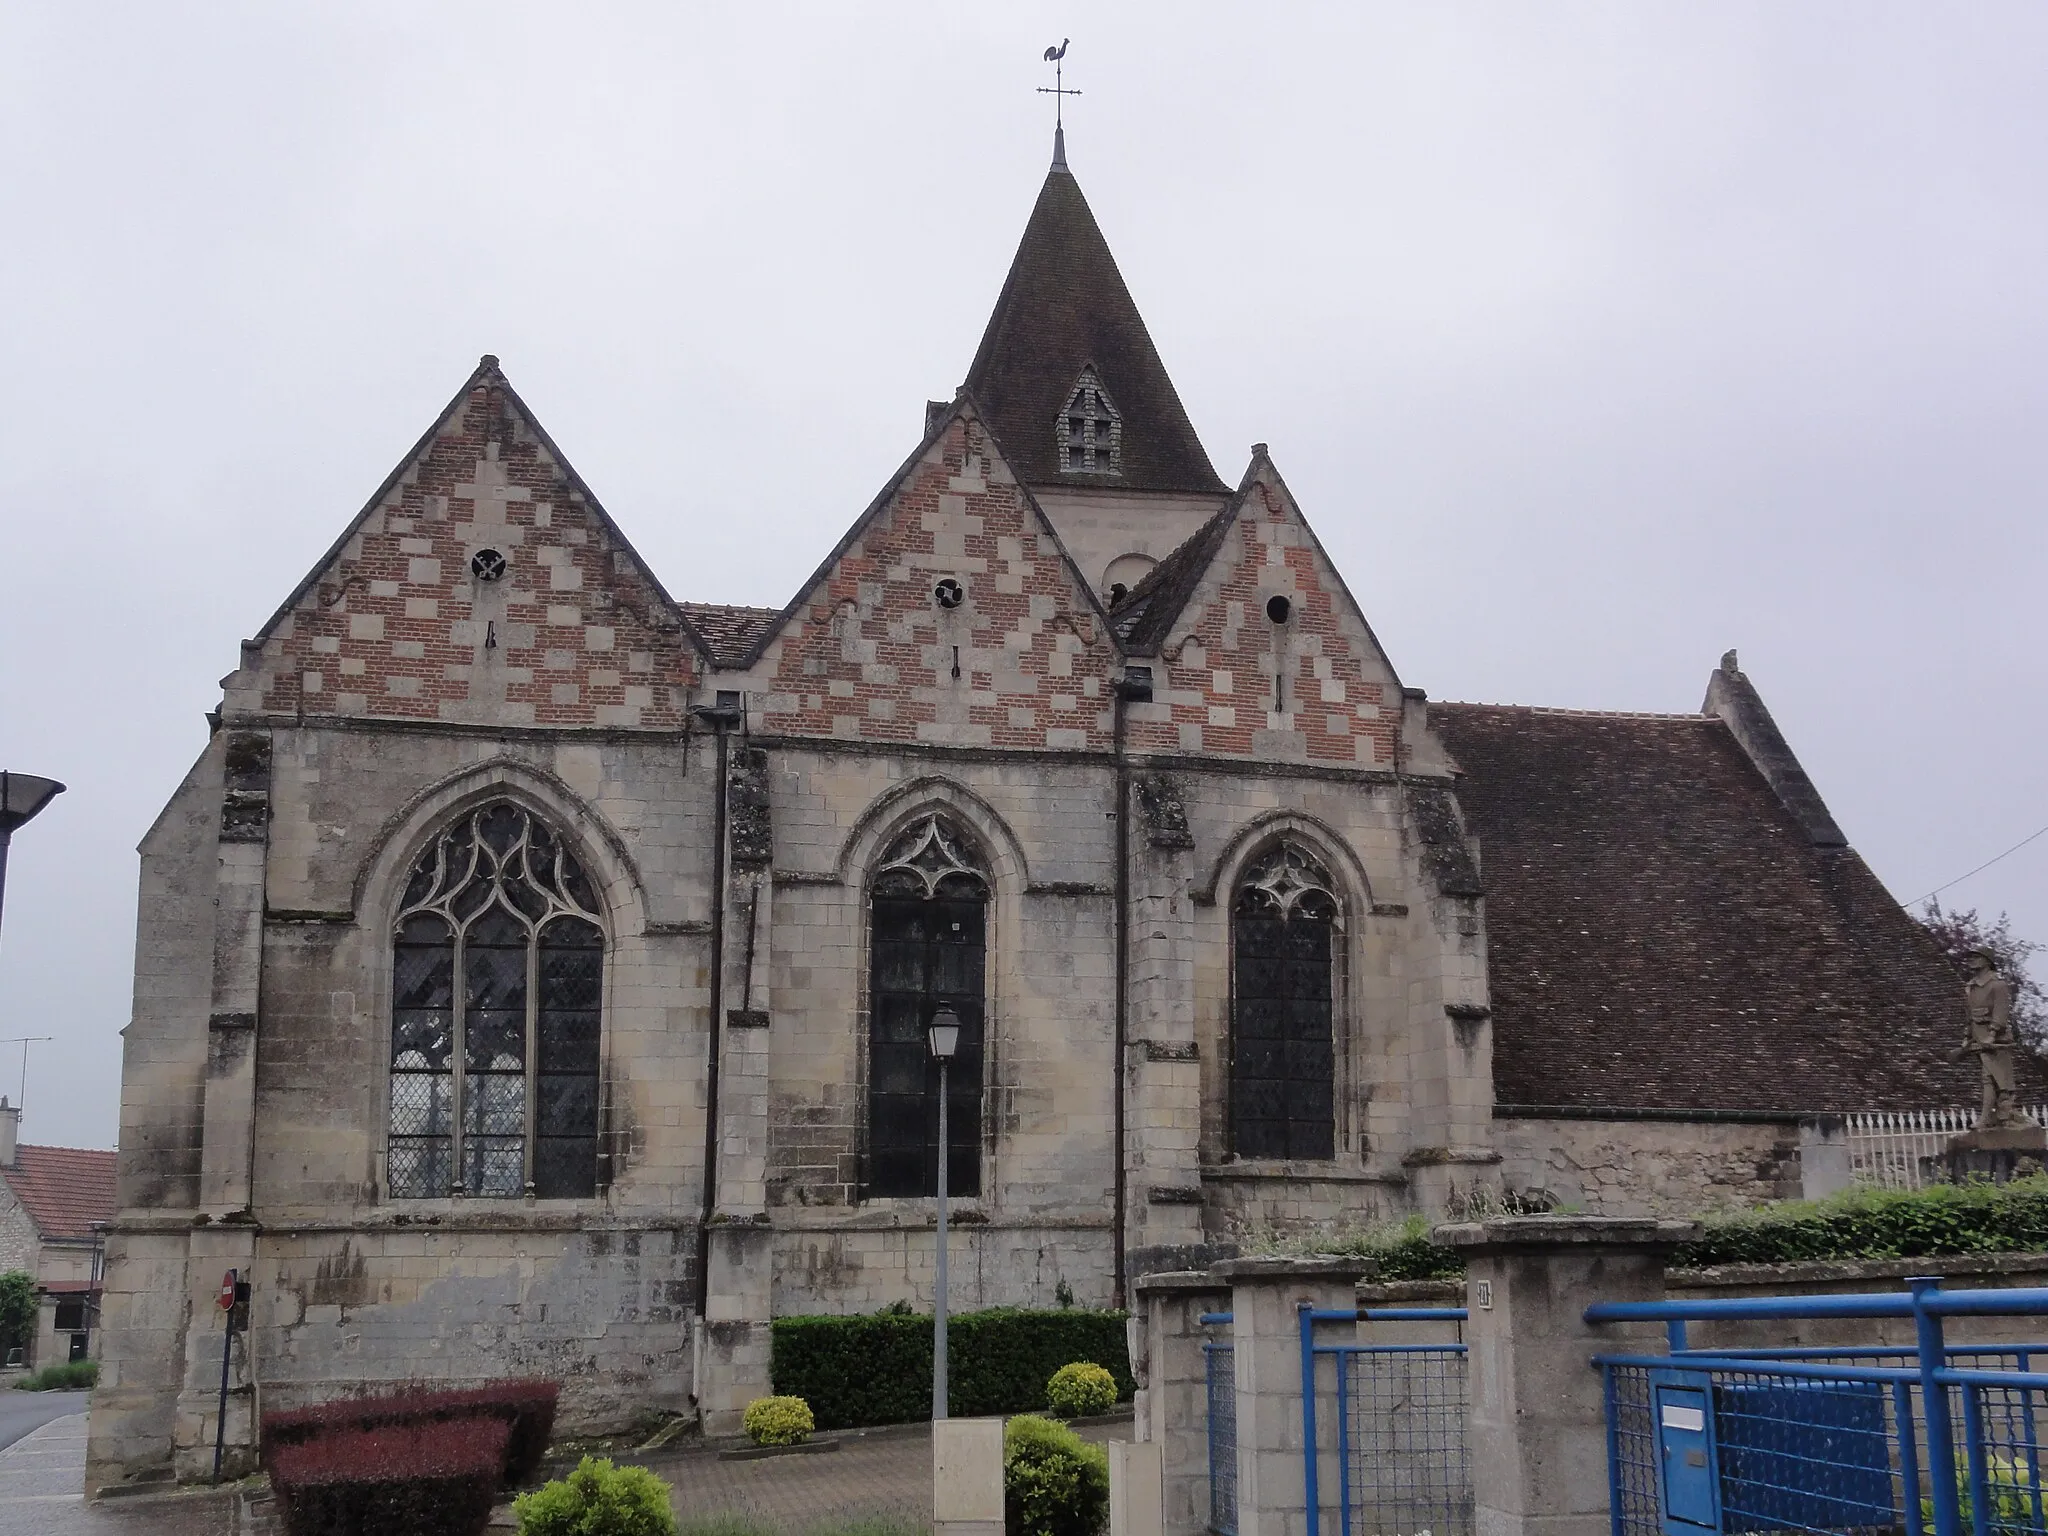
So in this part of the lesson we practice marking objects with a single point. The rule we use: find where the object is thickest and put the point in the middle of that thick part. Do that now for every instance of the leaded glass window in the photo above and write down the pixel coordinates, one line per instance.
(1091, 430)
(494, 1081)
(929, 941)
(1282, 1059)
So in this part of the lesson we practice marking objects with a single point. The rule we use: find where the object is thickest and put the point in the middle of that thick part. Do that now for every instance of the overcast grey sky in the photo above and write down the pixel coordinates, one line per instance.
(1594, 339)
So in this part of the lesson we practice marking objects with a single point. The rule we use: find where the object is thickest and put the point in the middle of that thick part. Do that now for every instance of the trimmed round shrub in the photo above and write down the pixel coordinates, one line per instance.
(1080, 1389)
(779, 1421)
(597, 1499)
(1054, 1482)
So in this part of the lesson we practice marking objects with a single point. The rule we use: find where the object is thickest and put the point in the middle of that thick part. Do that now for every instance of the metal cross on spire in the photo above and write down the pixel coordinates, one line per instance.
(1058, 91)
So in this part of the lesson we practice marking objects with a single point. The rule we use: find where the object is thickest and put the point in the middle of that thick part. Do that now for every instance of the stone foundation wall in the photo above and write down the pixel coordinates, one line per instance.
(991, 1265)
(1242, 1208)
(1648, 1167)
(605, 1311)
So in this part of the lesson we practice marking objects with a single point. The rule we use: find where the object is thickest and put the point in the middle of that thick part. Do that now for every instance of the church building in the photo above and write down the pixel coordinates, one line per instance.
(534, 972)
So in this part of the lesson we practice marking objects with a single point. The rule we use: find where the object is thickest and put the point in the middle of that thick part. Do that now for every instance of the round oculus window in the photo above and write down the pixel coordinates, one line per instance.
(487, 565)
(1278, 609)
(948, 593)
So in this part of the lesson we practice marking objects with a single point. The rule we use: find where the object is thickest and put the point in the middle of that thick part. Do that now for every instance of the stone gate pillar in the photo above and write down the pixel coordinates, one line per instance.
(1173, 1385)
(1537, 1432)
(1266, 1297)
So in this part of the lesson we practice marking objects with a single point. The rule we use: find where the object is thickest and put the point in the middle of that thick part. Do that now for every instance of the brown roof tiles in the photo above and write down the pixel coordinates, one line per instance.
(1064, 306)
(1662, 933)
(64, 1189)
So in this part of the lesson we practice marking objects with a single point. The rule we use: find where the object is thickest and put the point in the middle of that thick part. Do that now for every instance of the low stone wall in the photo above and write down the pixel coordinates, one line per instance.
(1649, 1167)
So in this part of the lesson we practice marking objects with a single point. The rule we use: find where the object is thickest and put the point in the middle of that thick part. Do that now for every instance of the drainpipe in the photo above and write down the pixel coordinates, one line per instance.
(721, 717)
(1135, 686)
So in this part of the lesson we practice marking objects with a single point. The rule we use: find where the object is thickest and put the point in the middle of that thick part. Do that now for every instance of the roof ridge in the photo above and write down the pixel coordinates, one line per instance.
(1577, 714)
(49, 1146)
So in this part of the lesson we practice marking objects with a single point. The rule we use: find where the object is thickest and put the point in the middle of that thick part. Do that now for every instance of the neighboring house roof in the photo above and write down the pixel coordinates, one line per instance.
(1064, 307)
(1663, 933)
(728, 632)
(63, 1189)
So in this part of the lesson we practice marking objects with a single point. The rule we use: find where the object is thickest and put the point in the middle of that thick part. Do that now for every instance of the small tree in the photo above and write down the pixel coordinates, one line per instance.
(17, 1311)
(1962, 933)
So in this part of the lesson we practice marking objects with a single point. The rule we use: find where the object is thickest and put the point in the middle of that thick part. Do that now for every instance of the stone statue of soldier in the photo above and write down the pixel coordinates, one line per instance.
(1990, 1038)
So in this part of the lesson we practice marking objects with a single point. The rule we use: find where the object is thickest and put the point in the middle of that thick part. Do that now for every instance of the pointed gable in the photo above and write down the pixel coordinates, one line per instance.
(482, 583)
(950, 614)
(1063, 310)
(1261, 651)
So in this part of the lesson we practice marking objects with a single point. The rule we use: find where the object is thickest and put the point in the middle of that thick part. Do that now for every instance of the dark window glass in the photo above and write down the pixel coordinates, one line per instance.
(494, 1083)
(571, 977)
(928, 946)
(71, 1314)
(1283, 1061)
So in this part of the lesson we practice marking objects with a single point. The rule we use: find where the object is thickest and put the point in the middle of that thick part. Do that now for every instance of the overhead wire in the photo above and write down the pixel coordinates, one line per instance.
(1959, 879)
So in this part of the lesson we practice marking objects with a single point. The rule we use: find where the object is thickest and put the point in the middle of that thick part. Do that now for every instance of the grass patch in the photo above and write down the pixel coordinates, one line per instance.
(68, 1377)
(1402, 1248)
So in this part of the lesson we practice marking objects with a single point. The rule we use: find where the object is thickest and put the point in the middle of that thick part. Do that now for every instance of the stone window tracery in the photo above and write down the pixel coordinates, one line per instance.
(1091, 429)
(929, 941)
(1286, 922)
(496, 1008)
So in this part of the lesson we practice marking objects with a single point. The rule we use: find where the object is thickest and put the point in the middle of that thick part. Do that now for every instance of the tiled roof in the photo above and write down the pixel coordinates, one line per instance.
(1662, 933)
(730, 632)
(64, 1189)
(1064, 306)
(1148, 610)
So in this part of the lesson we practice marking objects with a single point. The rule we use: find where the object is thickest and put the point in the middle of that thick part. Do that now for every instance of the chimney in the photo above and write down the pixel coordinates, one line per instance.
(10, 1129)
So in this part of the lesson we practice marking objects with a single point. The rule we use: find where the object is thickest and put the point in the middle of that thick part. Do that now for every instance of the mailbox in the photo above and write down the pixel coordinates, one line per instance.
(1688, 1484)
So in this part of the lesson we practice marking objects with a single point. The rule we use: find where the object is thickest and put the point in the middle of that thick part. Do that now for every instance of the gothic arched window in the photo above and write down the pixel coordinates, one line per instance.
(496, 995)
(1282, 1057)
(1091, 430)
(929, 943)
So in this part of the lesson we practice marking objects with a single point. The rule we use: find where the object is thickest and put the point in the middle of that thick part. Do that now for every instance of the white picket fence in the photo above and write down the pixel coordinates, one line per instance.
(1902, 1149)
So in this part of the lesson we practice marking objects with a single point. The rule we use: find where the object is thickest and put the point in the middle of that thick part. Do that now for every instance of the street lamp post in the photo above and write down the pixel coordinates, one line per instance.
(944, 1038)
(21, 796)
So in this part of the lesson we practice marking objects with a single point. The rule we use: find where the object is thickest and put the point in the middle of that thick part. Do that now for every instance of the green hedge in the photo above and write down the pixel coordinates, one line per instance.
(877, 1368)
(1882, 1224)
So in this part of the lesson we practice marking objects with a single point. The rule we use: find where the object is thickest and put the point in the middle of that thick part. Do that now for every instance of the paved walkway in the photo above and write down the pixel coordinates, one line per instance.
(42, 1481)
(882, 1476)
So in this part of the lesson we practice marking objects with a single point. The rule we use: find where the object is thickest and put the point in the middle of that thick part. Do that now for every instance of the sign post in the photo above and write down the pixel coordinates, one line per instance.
(234, 1291)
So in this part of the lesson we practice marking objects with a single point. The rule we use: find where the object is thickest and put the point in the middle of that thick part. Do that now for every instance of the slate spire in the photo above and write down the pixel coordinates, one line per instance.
(1063, 309)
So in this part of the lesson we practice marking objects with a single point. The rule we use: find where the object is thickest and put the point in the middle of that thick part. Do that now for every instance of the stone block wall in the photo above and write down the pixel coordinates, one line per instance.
(1649, 1167)
(18, 1244)
(991, 1264)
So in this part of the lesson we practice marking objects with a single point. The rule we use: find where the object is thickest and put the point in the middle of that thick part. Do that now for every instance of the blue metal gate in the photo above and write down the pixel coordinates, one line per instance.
(1219, 1360)
(1928, 1439)
(1401, 1462)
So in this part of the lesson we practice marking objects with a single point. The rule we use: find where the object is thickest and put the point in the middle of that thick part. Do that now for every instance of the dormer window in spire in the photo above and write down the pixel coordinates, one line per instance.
(1091, 430)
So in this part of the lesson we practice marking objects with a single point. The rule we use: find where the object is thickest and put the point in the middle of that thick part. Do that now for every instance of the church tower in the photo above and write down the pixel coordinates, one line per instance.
(1075, 394)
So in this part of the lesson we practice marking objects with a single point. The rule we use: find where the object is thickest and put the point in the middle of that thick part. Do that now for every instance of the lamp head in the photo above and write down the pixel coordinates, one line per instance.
(22, 795)
(944, 1034)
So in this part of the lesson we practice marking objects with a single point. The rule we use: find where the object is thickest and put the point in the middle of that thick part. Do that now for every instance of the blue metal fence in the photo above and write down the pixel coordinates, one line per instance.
(1219, 1360)
(1400, 1425)
(1927, 1439)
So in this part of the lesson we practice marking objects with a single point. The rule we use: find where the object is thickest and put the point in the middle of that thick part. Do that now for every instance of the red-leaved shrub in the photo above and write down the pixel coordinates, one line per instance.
(435, 1478)
(526, 1408)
